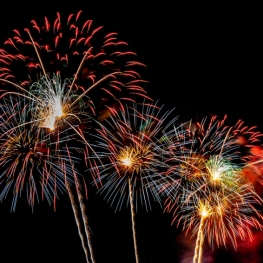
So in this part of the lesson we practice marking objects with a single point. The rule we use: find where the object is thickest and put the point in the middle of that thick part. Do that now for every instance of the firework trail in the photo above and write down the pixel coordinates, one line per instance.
(208, 190)
(83, 213)
(129, 153)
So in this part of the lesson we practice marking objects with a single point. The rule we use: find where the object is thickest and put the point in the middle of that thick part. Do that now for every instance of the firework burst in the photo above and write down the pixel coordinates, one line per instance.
(129, 145)
(207, 190)
(52, 100)
(77, 50)
(30, 160)
(129, 153)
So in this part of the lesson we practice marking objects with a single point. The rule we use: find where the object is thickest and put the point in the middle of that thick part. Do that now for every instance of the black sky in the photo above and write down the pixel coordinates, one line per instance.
(201, 60)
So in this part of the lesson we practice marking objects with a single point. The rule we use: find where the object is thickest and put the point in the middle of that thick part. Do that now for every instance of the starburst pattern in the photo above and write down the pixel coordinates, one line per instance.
(129, 145)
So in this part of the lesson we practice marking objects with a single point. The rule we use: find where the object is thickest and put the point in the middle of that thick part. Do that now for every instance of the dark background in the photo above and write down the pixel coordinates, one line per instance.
(201, 60)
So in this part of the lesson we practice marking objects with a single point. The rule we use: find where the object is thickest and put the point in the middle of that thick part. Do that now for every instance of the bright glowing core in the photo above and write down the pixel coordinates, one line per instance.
(216, 175)
(58, 108)
(126, 161)
(204, 212)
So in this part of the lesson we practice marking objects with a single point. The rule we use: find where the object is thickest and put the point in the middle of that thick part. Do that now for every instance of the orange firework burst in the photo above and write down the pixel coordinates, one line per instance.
(208, 191)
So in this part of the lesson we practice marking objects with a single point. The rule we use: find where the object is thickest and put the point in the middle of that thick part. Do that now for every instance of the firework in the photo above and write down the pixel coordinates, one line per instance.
(58, 107)
(129, 153)
(129, 145)
(187, 154)
(224, 200)
(30, 160)
(76, 49)
(207, 190)
(36, 160)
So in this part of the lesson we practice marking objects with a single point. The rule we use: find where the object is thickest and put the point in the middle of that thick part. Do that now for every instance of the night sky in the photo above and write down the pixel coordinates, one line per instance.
(200, 60)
